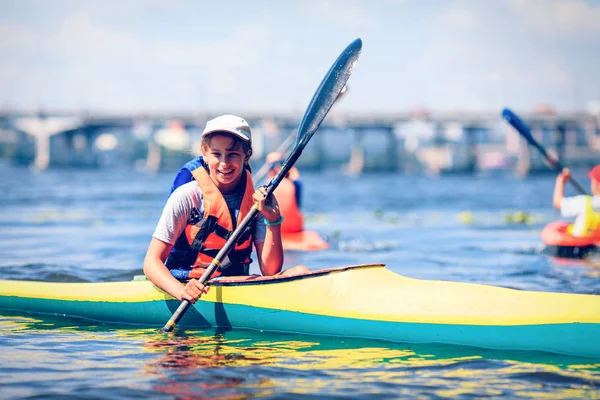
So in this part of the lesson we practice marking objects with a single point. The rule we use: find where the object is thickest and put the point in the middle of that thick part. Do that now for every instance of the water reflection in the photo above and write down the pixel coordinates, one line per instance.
(193, 351)
(235, 364)
(194, 362)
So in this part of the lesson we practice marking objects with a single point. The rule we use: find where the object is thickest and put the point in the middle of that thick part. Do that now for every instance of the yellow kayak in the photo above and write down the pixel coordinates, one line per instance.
(362, 301)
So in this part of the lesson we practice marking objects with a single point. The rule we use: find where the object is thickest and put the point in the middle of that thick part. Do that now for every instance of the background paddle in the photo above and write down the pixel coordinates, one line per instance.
(524, 130)
(328, 91)
(283, 148)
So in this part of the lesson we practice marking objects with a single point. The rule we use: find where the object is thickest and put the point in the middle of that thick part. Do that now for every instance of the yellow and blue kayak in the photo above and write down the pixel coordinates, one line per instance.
(363, 301)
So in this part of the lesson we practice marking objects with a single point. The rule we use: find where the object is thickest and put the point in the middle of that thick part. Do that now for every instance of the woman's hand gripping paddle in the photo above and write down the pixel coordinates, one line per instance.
(328, 91)
(524, 130)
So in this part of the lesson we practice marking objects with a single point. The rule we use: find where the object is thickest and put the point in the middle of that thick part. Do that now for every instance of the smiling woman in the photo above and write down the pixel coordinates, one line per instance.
(226, 147)
(210, 197)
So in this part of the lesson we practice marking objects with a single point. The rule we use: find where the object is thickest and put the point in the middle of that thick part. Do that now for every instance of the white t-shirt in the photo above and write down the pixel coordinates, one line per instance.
(573, 206)
(186, 206)
(576, 206)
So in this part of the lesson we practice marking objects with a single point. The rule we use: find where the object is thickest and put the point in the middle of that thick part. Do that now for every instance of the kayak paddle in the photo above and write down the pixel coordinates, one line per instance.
(328, 91)
(524, 130)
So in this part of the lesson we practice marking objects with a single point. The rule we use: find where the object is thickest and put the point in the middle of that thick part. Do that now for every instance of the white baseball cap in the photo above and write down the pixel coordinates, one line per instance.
(229, 123)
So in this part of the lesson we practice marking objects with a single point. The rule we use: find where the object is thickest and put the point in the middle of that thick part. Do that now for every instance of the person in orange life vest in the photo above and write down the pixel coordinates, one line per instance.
(199, 216)
(288, 195)
(585, 208)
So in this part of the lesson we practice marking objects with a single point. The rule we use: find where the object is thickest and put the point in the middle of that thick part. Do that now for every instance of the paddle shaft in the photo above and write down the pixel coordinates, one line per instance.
(245, 224)
(328, 91)
(524, 130)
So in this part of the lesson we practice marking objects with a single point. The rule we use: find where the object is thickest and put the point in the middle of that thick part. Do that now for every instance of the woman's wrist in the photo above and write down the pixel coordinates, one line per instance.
(273, 223)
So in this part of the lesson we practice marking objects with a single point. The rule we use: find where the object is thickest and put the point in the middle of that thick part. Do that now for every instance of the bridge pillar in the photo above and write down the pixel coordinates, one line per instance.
(523, 164)
(264, 132)
(392, 149)
(42, 129)
(560, 141)
(154, 157)
(592, 133)
(42, 151)
(357, 153)
(438, 158)
(471, 132)
(319, 150)
(529, 159)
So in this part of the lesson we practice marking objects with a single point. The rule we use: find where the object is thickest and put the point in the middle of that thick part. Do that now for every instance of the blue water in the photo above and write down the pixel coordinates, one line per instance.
(94, 225)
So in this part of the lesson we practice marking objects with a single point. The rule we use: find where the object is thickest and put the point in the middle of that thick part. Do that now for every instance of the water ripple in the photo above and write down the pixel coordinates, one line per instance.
(91, 226)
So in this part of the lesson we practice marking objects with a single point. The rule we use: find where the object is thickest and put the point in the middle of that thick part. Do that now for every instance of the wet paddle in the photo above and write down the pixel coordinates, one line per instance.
(524, 130)
(328, 91)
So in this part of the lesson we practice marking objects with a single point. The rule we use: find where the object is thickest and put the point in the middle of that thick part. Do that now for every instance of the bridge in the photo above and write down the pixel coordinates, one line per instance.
(435, 142)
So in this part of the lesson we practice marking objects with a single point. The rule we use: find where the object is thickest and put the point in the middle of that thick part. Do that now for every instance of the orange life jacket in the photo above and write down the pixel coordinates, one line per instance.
(285, 193)
(208, 236)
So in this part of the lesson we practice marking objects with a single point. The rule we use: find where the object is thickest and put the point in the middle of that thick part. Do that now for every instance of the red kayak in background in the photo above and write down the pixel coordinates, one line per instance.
(559, 243)
(293, 235)
(303, 241)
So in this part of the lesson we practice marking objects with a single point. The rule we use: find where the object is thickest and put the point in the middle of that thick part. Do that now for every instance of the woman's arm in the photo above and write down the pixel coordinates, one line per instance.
(270, 252)
(559, 188)
(158, 273)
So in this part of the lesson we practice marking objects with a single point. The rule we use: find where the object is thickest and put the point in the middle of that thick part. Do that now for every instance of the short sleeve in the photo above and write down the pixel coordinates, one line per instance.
(572, 206)
(177, 212)
(596, 203)
(260, 229)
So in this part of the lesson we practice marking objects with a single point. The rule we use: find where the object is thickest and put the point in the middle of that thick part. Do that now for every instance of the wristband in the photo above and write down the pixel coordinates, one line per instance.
(279, 221)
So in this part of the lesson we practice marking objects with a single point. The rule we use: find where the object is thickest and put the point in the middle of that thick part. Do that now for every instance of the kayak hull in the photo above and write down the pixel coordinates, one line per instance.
(559, 243)
(335, 303)
(303, 241)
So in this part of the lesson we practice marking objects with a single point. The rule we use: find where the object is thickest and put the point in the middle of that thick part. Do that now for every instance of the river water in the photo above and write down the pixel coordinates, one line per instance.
(94, 225)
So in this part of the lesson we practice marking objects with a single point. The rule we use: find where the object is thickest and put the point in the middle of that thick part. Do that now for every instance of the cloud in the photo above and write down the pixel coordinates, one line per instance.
(240, 48)
(116, 67)
(569, 18)
(15, 37)
(483, 55)
(458, 54)
(80, 38)
(458, 17)
(352, 14)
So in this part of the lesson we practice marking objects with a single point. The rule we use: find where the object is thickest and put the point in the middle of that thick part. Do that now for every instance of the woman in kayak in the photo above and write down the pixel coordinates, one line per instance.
(585, 208)
(288, 195)
(201, 214)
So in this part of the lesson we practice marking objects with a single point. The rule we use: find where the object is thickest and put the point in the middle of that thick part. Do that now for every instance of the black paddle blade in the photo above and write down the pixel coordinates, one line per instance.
(519, 125)
(524, 130)
(328, 91)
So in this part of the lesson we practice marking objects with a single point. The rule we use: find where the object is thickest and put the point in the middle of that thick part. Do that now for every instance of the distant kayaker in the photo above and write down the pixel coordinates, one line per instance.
(288, 195)
(585, 208)
(210, 196)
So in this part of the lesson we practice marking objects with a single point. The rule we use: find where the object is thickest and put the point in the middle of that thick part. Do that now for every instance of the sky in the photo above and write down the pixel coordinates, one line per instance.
(136, 56)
